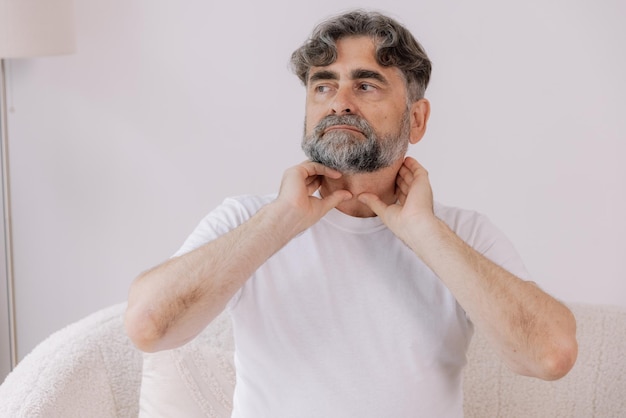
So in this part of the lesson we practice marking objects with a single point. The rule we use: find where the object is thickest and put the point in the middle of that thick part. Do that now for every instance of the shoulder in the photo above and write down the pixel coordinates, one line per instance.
(227, 216)
(233, 211)
(458, 219)
(245, 205)
(481, 234)
(471, 226)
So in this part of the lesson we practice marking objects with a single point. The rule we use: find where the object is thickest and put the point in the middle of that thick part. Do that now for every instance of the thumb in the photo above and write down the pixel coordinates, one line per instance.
(373, 202)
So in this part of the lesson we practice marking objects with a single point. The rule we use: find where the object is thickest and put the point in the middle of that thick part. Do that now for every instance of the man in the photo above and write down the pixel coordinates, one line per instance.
(353, 294)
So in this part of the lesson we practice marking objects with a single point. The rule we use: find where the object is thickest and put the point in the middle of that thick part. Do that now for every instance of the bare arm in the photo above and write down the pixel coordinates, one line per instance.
(533, 333)
(171, 303)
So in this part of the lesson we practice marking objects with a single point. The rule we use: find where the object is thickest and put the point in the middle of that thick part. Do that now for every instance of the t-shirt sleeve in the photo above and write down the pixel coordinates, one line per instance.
(223, 219)
(482, 235)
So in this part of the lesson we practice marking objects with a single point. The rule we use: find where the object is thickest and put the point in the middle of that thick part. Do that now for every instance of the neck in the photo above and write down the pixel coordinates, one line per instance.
(382, 183)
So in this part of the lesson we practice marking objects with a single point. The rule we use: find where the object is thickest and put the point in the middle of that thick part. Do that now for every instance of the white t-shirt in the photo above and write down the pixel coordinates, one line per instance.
(346, 321)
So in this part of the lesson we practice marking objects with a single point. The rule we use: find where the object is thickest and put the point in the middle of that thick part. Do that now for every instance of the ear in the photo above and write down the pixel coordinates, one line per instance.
(420, 112)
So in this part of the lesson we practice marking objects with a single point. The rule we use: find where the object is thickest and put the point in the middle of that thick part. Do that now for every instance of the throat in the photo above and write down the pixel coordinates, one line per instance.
(356, 209)
(386, 191)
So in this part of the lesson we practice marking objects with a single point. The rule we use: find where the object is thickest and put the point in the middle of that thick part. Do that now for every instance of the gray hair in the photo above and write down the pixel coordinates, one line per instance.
(395, 46)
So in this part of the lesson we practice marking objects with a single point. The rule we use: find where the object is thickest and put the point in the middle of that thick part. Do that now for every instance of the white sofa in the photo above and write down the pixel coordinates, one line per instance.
(90, 369)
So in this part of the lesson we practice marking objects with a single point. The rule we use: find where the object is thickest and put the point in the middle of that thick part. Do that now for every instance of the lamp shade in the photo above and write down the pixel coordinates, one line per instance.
(30, 28)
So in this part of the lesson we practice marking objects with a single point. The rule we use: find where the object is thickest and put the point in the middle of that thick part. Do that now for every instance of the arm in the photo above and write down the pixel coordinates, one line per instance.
(171, 303)
(533, 333)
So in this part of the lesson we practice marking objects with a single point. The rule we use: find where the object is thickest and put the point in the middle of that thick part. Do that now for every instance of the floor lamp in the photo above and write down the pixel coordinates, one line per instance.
(28, 28)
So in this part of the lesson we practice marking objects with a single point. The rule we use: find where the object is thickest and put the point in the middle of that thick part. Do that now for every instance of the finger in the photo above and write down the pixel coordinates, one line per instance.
(402, 198)
(402, 185)
(411, 163)
(373, 202)
(311, 179)
(401, 192)
(313, 185)
(414, 166)
(317, 169)
(406, 174)
(413, 172)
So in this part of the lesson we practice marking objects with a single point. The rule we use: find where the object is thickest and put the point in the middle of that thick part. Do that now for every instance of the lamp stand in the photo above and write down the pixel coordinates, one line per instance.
(6, 199)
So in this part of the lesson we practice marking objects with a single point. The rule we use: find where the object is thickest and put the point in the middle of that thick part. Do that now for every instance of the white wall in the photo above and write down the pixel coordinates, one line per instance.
(118, 150)
(5, 345)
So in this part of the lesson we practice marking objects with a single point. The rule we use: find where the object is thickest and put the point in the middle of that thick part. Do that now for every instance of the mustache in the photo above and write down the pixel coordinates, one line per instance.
(349, 120)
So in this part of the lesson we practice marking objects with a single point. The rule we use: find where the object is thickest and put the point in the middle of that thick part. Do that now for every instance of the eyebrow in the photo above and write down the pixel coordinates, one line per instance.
(358, 74)
(323, 75)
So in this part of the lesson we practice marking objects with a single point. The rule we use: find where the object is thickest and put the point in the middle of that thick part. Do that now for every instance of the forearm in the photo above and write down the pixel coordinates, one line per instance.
(534, 333)
(171, 303)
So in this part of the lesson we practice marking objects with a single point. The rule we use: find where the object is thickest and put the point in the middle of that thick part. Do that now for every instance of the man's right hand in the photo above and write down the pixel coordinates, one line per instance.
(299, 183)
(171, 303)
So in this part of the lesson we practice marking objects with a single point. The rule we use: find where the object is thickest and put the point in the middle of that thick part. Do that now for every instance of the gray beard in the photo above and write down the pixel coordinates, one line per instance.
(350, 153)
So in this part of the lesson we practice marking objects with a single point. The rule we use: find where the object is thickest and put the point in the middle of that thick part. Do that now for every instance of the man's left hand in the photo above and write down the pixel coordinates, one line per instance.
(415, 202)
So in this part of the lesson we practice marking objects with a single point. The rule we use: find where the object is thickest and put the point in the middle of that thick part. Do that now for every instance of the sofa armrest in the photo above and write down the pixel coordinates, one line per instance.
(89, 368)
(595, 387)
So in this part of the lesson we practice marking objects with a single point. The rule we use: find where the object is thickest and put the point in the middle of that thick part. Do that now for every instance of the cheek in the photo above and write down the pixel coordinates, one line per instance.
(380, 117)
(391, 117)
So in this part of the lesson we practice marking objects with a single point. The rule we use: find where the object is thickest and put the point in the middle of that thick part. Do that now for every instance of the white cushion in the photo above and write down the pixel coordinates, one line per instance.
(195, 380)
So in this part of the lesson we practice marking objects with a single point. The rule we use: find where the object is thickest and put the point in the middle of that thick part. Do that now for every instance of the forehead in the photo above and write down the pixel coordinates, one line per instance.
(357, 52)
(356, 48)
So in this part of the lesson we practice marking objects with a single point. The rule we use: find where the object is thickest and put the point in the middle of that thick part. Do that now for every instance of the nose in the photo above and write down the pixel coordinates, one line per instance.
(343, 102)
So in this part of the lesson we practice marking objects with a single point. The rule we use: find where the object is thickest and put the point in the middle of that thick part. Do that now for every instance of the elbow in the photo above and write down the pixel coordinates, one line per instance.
(141, 323)
(141, 329)
(560, 361)
(560, 355)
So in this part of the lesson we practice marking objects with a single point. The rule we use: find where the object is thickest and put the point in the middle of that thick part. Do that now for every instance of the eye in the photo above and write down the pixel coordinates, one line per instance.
(366, 87)
(321, 88)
